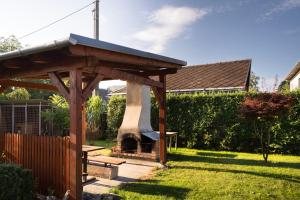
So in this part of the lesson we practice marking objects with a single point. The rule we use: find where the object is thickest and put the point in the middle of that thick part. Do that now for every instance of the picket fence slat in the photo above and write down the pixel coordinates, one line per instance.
(47, 157)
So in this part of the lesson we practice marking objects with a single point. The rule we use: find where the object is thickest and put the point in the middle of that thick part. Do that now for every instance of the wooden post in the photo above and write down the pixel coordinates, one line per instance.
(84, 124)
(162, 120)
(75, 134)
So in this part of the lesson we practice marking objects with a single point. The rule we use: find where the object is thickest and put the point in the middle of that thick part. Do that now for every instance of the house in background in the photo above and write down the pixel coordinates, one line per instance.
(294, 77)
(230, 76)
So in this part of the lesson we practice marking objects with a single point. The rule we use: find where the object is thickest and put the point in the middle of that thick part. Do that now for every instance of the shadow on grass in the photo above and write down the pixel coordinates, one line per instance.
(295, 179)
(219, 155)
(232, 161)
(156, 190)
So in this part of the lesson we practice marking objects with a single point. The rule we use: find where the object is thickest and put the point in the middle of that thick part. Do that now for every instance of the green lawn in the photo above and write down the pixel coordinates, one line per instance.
(197, 174)
(102, 143)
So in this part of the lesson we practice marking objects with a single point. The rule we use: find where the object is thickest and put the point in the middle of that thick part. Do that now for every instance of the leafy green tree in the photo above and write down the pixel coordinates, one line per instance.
(284, 86)
(9, 44)
(254, 82)
(18, 94)
(264, 111)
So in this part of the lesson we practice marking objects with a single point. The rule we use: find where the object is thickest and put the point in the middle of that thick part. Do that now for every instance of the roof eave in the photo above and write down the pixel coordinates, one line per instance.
(293, 72)
(74, 39)
(56, 44)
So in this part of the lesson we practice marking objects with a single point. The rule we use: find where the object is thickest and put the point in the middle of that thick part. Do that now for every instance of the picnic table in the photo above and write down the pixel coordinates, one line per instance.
(85, 150)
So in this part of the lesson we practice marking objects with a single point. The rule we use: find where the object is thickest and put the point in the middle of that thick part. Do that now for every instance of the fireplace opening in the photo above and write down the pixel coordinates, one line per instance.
(129, 145)
(146, 144)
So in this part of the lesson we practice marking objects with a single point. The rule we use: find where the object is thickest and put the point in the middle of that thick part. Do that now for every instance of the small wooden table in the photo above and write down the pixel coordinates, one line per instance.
(170, 135)
(85, 150)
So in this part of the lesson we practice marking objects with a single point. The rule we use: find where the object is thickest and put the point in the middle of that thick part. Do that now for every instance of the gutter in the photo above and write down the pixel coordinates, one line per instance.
(191, 90)
(56, 44)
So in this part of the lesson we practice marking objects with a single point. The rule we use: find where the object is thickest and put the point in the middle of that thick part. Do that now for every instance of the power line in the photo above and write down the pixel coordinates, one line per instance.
(52, 23)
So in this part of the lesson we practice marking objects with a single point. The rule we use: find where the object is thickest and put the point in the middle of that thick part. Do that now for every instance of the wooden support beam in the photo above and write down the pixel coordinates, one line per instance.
(84, 124)
(30, 85)
(16, 63)
(137, 69)
(62, 88)
(151, 72)
(91, 86)
(162, 121)
(75, 134)
(157, 95)
(125, 76)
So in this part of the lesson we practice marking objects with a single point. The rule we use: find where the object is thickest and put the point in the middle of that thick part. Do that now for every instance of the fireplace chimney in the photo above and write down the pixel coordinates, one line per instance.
(136, 125)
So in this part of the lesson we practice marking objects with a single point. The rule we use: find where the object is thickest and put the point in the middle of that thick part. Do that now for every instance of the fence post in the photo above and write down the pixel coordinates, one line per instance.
(1, 120)
(26, 118)
(40, 118)
(12, 118)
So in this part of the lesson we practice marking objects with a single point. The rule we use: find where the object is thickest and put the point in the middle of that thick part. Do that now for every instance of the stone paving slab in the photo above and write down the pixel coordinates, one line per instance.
(130, 171)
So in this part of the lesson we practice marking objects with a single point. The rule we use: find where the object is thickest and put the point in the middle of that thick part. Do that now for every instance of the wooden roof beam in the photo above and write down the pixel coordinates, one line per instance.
(23, 84)
(36, 70)
(119, 57)
(125, 76)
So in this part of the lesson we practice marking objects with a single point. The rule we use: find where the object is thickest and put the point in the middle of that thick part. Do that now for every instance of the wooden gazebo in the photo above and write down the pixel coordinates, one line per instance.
(86, 62)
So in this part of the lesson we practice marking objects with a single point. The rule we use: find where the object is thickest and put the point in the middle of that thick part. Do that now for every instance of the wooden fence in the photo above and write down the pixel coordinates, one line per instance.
(47, 156)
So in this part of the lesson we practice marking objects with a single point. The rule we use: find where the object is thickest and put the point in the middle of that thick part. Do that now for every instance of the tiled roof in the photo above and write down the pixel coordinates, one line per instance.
(294, 72)
(231, 75)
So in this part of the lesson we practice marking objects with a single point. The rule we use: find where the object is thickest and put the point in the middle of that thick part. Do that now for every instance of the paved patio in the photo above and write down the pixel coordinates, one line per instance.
(131, 171)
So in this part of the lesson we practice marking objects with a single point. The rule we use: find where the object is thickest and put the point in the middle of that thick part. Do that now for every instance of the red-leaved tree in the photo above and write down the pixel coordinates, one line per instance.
(263, 111)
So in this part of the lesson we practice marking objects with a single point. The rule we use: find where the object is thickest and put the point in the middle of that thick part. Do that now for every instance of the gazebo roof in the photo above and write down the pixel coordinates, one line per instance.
(86, 62)
(81, 52)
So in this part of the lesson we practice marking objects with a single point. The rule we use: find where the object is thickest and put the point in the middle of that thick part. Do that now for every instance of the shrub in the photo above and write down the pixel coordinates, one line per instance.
(212, 121)
(95, 108)
(18, 94)
(16, 183)
(264, 111)
(58, 114)
(115, 112)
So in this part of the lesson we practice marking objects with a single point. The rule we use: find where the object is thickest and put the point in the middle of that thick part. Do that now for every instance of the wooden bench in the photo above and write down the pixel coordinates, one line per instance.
(106, 160)
(109, 170)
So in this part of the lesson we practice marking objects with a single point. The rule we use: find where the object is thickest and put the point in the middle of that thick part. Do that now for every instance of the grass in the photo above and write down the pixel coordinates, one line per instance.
(103, 143)
(197, 174)
(107, 144)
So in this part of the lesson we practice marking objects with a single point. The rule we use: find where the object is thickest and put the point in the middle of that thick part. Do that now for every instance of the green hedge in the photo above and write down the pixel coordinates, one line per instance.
(212, 121)
(16, 183)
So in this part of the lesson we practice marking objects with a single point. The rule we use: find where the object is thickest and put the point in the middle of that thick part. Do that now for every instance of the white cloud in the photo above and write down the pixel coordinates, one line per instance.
(282, 6)
(167, 23)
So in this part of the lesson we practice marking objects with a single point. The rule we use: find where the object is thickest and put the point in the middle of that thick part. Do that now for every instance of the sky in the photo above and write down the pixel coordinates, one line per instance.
(198, 31)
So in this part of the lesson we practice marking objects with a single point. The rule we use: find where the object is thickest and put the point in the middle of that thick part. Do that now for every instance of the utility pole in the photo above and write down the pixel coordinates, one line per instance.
(96, 20)
(96, 26)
